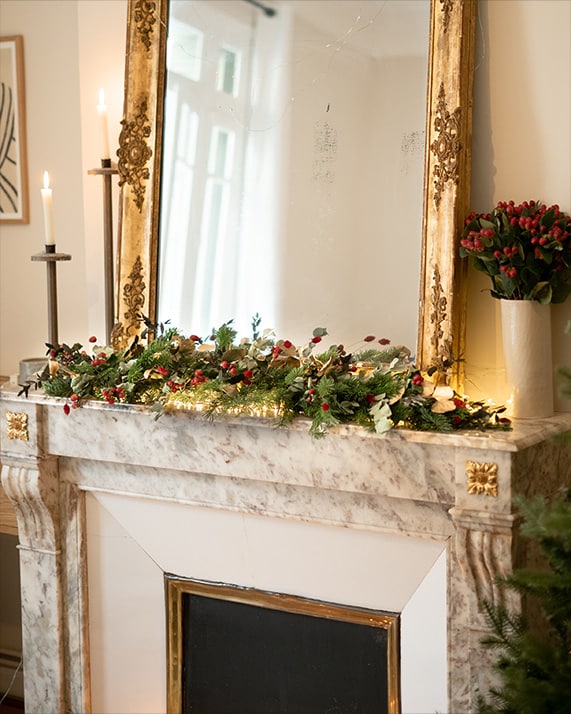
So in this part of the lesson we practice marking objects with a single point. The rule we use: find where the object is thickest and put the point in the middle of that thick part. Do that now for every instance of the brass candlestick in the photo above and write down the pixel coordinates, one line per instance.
(50, 258)
(107, 171)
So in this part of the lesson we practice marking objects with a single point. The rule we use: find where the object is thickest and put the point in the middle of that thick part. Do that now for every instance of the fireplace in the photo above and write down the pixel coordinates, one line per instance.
(233, 650)
(414, 524)
(133, 543)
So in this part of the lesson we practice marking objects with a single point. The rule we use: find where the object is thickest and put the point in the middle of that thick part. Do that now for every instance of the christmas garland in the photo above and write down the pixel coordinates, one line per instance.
(377, 387)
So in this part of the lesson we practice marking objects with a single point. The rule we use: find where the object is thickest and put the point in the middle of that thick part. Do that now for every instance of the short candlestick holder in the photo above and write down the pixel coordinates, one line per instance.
(50, 258)
(107, 171)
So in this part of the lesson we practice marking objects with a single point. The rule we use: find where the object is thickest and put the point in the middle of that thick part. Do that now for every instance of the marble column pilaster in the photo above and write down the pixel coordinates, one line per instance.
(32, 487)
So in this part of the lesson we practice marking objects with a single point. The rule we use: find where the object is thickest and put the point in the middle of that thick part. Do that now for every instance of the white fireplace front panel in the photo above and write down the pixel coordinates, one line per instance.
(132, 542)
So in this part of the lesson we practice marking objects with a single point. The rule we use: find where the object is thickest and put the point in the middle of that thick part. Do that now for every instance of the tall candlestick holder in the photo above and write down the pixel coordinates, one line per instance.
(107, 171)
(50, 258)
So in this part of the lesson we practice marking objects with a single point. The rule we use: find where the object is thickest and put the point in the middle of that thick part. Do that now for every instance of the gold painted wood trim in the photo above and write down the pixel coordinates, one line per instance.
(448, 153)
(139, 166)
(175, 587)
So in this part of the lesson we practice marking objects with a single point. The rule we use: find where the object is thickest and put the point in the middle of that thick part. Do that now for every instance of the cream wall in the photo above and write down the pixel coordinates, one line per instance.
(522, 149)
(71, 48)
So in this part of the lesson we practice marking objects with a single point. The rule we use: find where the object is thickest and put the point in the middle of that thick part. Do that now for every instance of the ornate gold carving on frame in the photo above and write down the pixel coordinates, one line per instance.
(482, 479)
(144, 15)
(438, 317)
(447, 186)
(446, 7)
(17, 425)
(134, 296)
(134, 153)
(446, 146)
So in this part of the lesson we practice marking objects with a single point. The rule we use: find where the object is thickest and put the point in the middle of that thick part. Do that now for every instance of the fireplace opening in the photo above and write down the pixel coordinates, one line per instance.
(233, 650)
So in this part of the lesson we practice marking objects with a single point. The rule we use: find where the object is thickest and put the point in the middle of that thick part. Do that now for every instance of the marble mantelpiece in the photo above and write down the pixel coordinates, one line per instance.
(454, 489)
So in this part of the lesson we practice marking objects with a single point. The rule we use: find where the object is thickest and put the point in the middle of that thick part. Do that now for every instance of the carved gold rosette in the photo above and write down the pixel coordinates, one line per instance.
(482, 479)
(17, 425)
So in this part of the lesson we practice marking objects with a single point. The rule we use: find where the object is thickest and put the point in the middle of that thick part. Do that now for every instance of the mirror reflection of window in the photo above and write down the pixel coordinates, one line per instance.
(321, 109)
(202, 212)
(228, 79)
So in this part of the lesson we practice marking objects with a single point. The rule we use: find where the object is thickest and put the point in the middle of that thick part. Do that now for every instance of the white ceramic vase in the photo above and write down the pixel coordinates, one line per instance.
(526, 333)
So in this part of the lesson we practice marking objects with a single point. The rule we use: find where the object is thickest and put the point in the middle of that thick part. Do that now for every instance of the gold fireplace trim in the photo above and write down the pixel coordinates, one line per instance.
(176, 587)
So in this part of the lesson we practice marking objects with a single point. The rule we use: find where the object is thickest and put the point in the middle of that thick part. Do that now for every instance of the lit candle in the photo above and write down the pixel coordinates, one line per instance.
(102, 111)
(47, 200)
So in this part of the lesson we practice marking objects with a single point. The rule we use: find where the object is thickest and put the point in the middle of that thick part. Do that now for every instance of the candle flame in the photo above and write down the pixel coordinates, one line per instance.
(46, 179)
(101, 98)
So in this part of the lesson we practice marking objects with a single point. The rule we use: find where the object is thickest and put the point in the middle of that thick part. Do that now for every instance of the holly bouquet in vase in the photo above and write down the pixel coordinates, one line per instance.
(525, 249)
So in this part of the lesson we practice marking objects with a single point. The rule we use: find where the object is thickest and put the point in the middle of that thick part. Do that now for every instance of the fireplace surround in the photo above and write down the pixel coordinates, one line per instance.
(234, 650)
(109, 500)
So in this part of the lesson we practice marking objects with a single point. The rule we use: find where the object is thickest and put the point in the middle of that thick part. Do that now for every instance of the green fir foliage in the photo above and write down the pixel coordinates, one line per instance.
(534, 657)
(375, 388)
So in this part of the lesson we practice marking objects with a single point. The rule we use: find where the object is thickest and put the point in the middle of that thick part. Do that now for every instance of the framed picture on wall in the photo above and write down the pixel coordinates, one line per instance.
(14, 207)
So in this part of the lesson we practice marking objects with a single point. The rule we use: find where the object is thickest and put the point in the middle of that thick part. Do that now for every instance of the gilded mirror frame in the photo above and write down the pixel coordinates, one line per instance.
(447, 168)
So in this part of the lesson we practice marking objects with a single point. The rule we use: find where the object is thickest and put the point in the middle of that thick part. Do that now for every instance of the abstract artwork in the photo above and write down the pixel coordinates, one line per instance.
(13, 159)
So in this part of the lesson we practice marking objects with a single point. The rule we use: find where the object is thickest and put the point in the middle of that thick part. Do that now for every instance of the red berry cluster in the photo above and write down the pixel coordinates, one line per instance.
(527, 243)
(113, 394)
(198, 378)
(372, 338)
(99, 359)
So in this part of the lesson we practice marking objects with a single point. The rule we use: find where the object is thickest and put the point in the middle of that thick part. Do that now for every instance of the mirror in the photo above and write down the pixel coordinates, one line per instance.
(304, 279)
(292, 169)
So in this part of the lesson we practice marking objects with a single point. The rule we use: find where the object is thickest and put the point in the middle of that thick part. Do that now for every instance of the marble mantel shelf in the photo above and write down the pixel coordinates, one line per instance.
(456, 489)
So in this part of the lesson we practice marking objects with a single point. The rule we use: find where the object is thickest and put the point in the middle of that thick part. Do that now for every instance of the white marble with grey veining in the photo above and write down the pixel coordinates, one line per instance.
(405, 483)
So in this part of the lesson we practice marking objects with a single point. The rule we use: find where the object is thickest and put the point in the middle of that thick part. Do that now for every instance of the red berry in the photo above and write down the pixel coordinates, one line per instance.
(248, 373)
(316, 339)
(287, 344)
(66, 408)
(93, 338)
(224, 364)
(384, 341)
(369, 338)
(325, 406)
